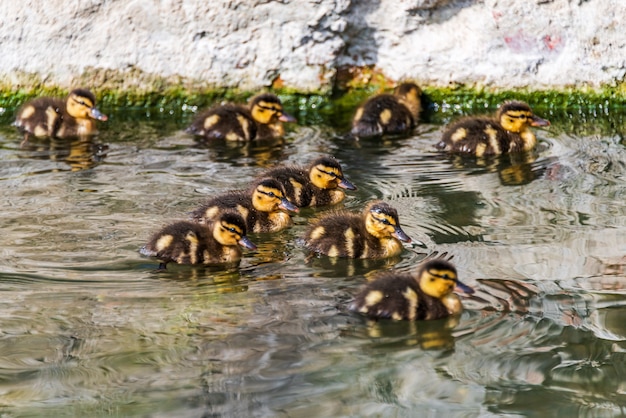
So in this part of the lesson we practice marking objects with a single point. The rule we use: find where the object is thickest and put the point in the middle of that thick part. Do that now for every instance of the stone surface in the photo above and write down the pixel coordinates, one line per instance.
(250, 44)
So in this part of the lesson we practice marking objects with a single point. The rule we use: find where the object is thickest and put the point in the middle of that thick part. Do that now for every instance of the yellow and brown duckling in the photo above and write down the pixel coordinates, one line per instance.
(376, 233)
(318, 184)
(508, 132)
(262, 119)
(186, 242)
(261, 206)
(428, 295)
(390, 114)
(54, 117)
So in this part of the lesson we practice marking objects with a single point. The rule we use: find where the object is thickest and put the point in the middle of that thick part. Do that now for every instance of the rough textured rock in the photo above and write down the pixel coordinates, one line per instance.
(146, 44)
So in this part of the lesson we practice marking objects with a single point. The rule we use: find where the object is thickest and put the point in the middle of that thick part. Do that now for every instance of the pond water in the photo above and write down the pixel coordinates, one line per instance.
(89, 327)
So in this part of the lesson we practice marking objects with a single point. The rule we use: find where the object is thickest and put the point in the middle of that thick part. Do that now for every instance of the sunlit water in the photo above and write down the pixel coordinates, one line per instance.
(89, 327)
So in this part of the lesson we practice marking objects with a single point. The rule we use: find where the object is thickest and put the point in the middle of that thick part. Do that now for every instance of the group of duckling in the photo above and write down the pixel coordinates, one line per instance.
(218, 229)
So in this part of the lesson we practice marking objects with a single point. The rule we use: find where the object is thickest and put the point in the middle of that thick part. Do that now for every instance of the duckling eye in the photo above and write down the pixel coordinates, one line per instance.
(384, 221)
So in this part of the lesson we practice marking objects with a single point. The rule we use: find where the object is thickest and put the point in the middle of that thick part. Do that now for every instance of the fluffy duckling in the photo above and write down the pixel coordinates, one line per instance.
(316, 185)
(375, 233)
(260, 206)
(429, 295)
(262, 119)
(395, 113)
(49, 116)
(191, 243)
(508, 132)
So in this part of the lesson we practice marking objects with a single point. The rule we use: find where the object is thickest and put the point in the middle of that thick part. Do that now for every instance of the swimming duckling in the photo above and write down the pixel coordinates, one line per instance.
(429, 295)
(316, 185)
(260, 206)
(395, 113)
(262, 119)
(376, 233)
(53, 117)
(186, 242)
(508, 132)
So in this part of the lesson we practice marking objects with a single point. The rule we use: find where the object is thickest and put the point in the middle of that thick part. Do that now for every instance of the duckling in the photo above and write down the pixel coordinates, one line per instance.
(262, 119)
(186, 242)
(260, 206)
(395, 113)
(316, 185)
(53, 117)
(508, 132)
(429, 295)
(376, 233)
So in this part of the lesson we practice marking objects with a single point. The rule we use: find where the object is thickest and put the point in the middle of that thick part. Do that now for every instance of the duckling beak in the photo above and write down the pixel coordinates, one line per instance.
(400, 234)
(463, 288)
(537, 121)
(345, 184)
(287, 205)
(96, 114)
(246, 243)
(284, 117)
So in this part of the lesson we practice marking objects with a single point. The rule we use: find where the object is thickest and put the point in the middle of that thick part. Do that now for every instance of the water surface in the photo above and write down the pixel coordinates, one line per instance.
(89, 327)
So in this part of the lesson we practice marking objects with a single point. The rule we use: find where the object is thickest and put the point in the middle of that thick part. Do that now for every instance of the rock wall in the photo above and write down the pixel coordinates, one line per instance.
(301, 44)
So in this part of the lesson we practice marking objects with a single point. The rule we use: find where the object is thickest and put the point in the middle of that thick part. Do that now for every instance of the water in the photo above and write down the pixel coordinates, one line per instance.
(88, 327)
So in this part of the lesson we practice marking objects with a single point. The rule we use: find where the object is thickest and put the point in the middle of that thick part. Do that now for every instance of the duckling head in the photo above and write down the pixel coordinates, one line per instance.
(326, 173)
(381, 220)
(409, 94)
(517, 116)
(230, 229)
(438, 278)
(81, 104)
(267, 109)
(269, 196)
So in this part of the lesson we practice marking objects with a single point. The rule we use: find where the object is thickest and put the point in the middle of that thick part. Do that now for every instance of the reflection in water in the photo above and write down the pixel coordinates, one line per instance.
(79, 153)
(90, 328)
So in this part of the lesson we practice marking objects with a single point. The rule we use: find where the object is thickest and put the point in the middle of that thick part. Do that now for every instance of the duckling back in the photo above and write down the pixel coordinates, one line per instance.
(224, 122)
(40, 117)
(341, 234)
(388, 114)
(380, 115)
(189, 243)
(397, 296)
(478, 136)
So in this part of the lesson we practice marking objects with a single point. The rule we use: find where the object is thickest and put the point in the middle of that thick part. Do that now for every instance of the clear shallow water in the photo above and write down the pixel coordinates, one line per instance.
(89, 327)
